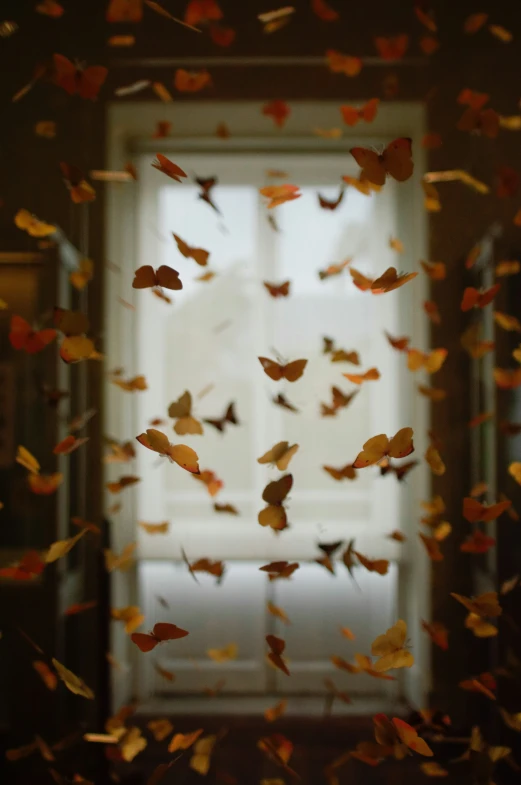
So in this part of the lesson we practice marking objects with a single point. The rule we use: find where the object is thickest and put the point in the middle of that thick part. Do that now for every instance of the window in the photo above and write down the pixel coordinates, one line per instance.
(208, 342)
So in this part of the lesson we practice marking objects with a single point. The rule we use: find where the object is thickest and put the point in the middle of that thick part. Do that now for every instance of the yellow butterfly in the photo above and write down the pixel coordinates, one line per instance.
(389, 647)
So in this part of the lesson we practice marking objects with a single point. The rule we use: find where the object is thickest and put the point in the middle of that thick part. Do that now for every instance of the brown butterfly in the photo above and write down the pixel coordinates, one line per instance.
(87, 82)
(396, 160)
(199, 255)
(328, 549)
(229, 417)
(162, 632)
(278, 290)
(277, 646)
(280, 569)
(400, 472)
(347, 472)
(146, 278)
(181, 411)
(282, 401)
(274, 515)
(331, 204)
(163, 164)
(276, 371)
(206, 184)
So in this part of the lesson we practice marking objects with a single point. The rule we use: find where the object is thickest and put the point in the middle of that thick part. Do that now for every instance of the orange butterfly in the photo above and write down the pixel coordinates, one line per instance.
(486, 122)
(400, 472)
(81, 191)
(379, 446)
(163, 164)
(438, 633)
(387, 282)
(324, 11)
(277, 646)
(367, 112)
(274, 494)
(279, 455)
(507, 378)
(359, 378)
(29, 567)
(87, 82)
(161, 633)
(191, 81)
(215, 568)
(477, 542)
(393, 48)
(437, 271)
(339, 63)
(347, 472)
(400, 736)
(146, 278)
(157, 441)
(278, 110)
(333, 269)
(202, 11)
(485, 605)
(210, 479)
(199, 255)
(473, 298)
(484, 683)
(22, 336)
(69, 444)
(474, 511)
(381, 566)
(400, 344)
(396, 160)
(280, 569)
(124, 11)
(430, 362)
(278, 290)
(278, 194)
(276, 371)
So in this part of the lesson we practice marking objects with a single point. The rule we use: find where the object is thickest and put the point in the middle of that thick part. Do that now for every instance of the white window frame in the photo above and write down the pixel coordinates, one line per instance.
(130, 126)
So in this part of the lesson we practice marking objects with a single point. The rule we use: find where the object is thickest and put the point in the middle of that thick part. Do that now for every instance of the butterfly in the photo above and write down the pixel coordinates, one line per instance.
(129, 385)
(86, 82)
(69, 444)
(400, 736)
(124, 11)
(381, 566)
(474, 511)
(215, 568)
(161, 633)
(276, 371)
(199, 255)
(206, 184)
(390, 649)
(347, 472)
(485, 121)
(340, 401)
(23, 337)
(274, 494)
(32, 225)
(328, 549)
(123, 482)
(477, 542)
(29, 567)
(438, 633)
(507, 378)
(400, 446)
(274, 712)
(200, 760)
(282, 401)
(331, 204)
(75, 346)
(434, 459)
(278, 194)
(163, 164)
(430, 362)
(339, 63)
(367, 112)
(229, 417)
(278, 612)
(396, 160)
(277, 290)
(473, 298)
(228, 652)
(387, 282)
(155, 528)
(277, 646)
(400, 472)
(279, 455)
(210, 479)
(485, 605)
(80, 190)
(146, 277)
(157, 441)
(191, 81)
(373, 374)
(226, 508)
(80, 277)
(44, 484)
(400, 344)
(279, 111)
(202, 11)
(52, 395)
(392, 48)
(437, 271)
(181, 410)
(280, 569)
(333, 269)
(131, 615)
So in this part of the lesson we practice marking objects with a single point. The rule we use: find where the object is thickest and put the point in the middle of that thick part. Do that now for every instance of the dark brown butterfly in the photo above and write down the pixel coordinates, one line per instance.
(53, 396)
(274, 515)
(206, 184)
(331, 204)
(328, 549)
(281, 400)
(278, 290)
(400, 472)
(229, 417)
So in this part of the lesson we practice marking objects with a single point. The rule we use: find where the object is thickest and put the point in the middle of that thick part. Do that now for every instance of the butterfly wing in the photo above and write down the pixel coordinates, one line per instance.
(350, 115)
(435, 360)
(20, 331)
(372, 167)
(284, 460)
(143, 641)
(401, 445)
(368, 112)
(397, 159)
(272, 368)
(91, 80)
(185, 457)
(144, 277)
(168, 277)
(294, 370)
(373, 451)
(274, 516)
(65, 74)
(275, 492)
(182, 407)
(168, 632)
